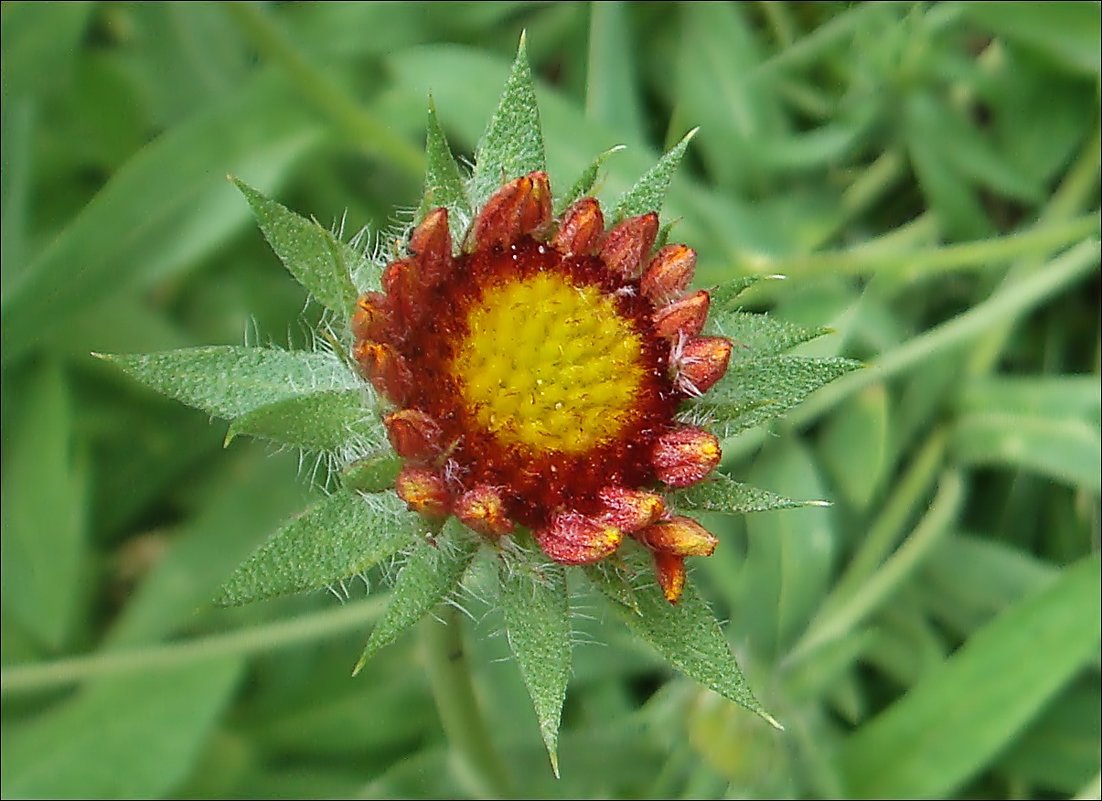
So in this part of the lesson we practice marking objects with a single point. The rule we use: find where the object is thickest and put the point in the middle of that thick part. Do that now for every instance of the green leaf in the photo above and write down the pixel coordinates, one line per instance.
(688, 636)
(1058, 397)
(789, 554)
(229, 381)
(758, 335)
(856, 444)
(374, 473)
(612, 578)
(537, 621)
(443, 181)
(317, 259)
(334, 540)
(137, 737)
(649, 191)
(584, 185)
(1067, 450)
(611, 90)
(323, 421)
(948, 726)
(1066, 33)
(756, 390)
(513, 142)
(432, 572)
(721, 493)
(45, 497)
(174, 186)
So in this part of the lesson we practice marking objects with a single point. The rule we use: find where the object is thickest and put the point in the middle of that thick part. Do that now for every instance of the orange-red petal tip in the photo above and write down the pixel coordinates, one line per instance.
(575, 539)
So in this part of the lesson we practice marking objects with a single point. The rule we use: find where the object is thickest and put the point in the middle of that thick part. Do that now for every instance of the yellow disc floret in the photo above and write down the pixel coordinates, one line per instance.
(549, 365)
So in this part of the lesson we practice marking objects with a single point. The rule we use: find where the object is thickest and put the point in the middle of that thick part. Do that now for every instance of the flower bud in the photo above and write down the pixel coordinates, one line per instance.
(684, 456)
(575, 539)
(520, 207)
(424, 491)
(483, 509)
(626, 246)
(681, 536)
(630, 510)
(669, 273)
(413, 434)
(581, 227)
(670, 570)
(683, 317)
(703, 361)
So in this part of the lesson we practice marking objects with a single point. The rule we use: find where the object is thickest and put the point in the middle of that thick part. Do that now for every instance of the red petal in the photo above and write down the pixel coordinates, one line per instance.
(413, 434)
(668, 274)
(385, 368)
(483, 509)
(521, 207)
(574, 539)
(701, 363)
(371, 320)
(684, 456)
(670, 569)
(681, 536)
(627, 245)
(630, 510)
(431, 242)
(684, 317)
(424, 491)
(582, 225)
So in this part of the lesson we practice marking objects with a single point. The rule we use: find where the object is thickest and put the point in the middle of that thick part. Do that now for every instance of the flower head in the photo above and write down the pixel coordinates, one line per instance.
(536, 371)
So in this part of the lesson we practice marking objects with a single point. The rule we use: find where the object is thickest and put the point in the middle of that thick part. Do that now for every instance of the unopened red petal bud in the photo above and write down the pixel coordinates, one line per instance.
(402, 281)
(580, 229)
(424, 491)
(371, 319)
(413, 434)
(684, 456)
(670, 570)
(575, 539)
(681, 536)
(703, 361)
(684, 317)
(483, 509)
(668, 274)
(521, 207)
(431, 243)
(627, 245)
(630, 509)
(385, 368)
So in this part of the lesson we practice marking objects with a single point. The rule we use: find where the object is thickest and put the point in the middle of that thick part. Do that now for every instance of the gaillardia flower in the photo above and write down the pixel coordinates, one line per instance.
(535, 372)
(509, 370)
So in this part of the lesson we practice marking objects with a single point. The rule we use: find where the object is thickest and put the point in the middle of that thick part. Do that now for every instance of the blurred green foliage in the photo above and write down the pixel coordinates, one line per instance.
(927, 175)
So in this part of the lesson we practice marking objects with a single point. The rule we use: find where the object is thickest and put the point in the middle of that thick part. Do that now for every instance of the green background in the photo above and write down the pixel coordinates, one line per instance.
(926, 175)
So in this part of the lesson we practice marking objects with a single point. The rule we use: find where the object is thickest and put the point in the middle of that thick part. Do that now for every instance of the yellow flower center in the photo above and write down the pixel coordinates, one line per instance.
(549, 365)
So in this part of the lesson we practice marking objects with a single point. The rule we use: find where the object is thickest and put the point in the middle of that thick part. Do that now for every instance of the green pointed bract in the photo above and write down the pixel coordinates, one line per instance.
(723, 296)
(687, 635)
(432, 572)
(230, 381)
(443, 179)
(756, 390)
(720, 493)
(318, 260)
(319, 421)
(757, 335)
(373, 473)
(614, 582)
(649, 192)
(585, 183)
(537, 621)
(334, 540)
(513, 142)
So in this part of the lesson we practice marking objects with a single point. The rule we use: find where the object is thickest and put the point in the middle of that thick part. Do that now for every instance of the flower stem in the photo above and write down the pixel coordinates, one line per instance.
(466, 729)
